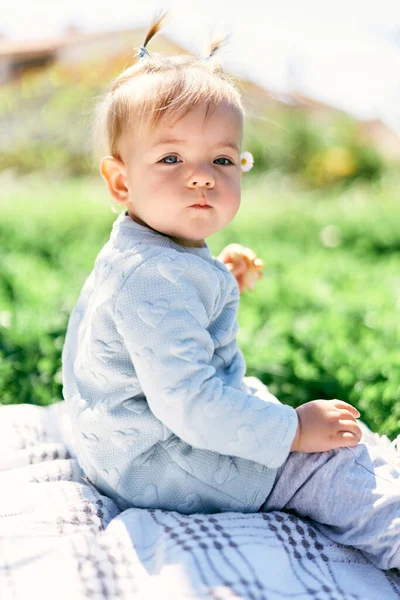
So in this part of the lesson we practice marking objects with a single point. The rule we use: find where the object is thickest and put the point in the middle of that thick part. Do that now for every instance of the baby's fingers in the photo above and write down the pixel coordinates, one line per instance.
(349, 427)
(349, 407)
(346, 438)
(236, 268)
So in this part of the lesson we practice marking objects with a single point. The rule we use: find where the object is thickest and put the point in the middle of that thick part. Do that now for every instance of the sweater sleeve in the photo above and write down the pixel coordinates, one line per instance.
(162, 313)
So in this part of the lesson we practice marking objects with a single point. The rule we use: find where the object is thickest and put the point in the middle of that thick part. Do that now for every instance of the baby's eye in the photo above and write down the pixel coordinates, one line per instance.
(168, 162)
(224, 163)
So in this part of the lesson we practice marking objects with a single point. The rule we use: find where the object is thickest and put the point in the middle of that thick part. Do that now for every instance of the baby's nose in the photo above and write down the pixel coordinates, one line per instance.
(201, 178)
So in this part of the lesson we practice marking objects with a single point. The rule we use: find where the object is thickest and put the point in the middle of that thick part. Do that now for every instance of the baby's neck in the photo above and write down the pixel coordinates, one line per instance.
(179, 241)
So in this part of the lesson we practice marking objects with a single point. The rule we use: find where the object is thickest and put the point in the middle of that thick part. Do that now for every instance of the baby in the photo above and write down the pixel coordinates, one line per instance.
(155, 384)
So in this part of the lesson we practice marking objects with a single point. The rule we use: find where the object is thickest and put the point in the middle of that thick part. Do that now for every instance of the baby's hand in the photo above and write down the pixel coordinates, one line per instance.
(325, 425)
(243, 264)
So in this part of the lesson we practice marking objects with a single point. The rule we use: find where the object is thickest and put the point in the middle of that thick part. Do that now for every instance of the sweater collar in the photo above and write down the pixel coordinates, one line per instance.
(127, 233)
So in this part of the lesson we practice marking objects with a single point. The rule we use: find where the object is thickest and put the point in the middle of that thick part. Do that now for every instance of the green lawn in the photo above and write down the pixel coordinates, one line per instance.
(322, 323)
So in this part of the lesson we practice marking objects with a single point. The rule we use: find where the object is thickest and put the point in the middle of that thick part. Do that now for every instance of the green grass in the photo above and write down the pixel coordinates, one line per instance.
(322, 323)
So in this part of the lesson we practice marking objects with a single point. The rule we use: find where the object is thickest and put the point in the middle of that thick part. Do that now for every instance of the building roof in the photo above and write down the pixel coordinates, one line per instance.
(33, 48)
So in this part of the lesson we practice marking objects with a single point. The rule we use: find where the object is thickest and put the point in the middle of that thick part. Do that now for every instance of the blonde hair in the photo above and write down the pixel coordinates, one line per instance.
(157, 86)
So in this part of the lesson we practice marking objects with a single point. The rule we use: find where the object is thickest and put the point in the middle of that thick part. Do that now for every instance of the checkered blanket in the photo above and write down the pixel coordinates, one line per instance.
(60, 538)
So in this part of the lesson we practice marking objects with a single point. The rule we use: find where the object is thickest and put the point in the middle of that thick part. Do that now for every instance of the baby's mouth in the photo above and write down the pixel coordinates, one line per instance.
(202, 203)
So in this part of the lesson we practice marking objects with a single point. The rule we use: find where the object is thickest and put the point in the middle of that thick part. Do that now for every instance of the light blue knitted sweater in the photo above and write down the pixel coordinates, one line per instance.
(154, 381)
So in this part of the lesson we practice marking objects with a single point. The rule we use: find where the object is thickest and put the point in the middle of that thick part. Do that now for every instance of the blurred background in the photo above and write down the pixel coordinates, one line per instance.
(321, 87)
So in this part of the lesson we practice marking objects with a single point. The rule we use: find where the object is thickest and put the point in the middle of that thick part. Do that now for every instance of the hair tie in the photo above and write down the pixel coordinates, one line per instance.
(143, 51)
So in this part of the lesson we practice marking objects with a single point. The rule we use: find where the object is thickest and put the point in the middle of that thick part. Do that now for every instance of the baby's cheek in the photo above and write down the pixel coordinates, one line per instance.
(164, 188)
(232, 202)
(235, 192)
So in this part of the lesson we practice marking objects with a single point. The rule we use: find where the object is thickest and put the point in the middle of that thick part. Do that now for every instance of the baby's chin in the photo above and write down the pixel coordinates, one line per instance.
(191, 234)
(194, 231)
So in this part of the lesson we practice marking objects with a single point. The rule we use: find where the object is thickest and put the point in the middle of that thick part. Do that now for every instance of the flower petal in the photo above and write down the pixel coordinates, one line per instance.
(247, 161)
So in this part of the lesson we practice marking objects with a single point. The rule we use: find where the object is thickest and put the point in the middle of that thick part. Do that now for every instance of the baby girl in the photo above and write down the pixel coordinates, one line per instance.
(163, 414)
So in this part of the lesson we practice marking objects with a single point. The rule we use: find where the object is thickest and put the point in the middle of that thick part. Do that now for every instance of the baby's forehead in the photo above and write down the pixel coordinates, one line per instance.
(219, 126)
(222, 127)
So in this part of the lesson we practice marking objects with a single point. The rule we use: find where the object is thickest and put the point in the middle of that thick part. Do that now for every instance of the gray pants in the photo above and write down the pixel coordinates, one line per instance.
(352, 495)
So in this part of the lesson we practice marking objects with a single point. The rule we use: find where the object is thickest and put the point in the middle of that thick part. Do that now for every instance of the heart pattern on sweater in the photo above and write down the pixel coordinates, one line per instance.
(112, 476)
(174, 396)
(125, 439)
(90, 438)
(226, 471)
(136, 406)
(246, 436)
(192, 505)
(106, 350)
(144, 353)
(105, 269)
(82, 405)
(153, 313)
(100, 379)
(172, 267)
(197, 310)
(186, 349)
(148, 499)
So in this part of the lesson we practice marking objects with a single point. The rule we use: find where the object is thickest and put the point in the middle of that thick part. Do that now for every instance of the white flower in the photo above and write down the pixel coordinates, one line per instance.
(247, 161)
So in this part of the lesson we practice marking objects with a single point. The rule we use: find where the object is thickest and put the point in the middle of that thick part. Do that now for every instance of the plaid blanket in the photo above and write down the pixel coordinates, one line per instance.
(60, 538)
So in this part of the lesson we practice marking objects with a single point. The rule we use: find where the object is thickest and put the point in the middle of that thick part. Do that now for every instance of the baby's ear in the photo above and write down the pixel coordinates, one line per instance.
(113, 171)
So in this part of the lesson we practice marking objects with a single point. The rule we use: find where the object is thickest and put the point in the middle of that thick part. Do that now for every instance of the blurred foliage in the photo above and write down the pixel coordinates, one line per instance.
(45, 117)
(324, 153)
(322, 323)
(45, 121)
